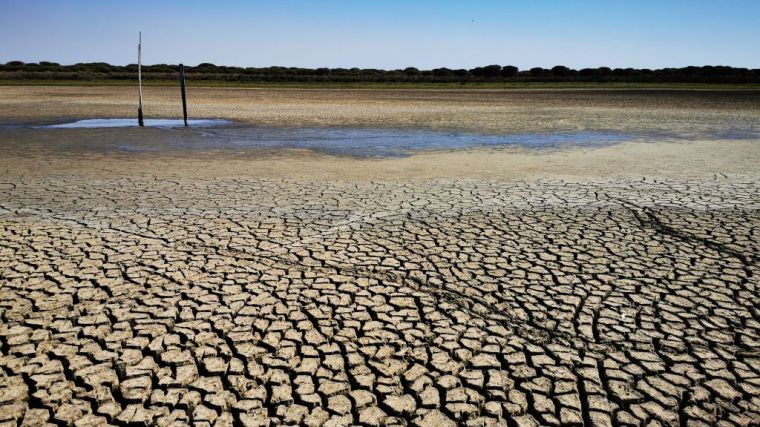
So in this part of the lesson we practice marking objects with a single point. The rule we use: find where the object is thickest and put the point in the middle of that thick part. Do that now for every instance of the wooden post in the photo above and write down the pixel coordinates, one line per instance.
(139, 82)
(182, 89)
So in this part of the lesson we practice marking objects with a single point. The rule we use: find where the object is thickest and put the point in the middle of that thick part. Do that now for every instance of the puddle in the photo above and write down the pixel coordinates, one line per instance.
(217, 134)
(123, 123)
(735, 132)
(377, 142)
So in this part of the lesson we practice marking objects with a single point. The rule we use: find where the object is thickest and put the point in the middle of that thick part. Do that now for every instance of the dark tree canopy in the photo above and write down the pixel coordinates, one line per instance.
(509, 71)
(45, 70)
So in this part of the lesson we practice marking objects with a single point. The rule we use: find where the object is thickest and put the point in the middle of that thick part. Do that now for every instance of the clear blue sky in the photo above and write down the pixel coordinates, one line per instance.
(386, 34)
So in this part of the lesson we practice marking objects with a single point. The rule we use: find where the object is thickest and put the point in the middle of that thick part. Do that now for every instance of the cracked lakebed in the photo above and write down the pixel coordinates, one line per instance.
(145, 300)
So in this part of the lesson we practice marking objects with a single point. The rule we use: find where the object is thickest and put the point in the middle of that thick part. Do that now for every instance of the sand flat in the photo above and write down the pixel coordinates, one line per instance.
(478, 110)
(604, 286)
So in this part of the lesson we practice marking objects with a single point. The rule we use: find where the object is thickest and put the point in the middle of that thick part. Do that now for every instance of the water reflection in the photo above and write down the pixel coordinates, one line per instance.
(122, 123)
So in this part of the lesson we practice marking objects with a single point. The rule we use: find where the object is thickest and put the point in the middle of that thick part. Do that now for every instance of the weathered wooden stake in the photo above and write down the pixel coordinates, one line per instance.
(182, 89)
(139, 82)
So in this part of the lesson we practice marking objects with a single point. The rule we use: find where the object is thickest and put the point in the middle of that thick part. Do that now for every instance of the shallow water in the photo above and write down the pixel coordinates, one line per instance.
(122, 135)
(380, 142)
(122, 123)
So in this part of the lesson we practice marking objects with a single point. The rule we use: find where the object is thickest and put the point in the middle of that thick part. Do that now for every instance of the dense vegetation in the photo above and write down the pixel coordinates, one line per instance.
(17, 70)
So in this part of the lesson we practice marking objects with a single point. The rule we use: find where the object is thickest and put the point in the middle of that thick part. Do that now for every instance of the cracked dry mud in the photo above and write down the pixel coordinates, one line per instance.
(258, 301)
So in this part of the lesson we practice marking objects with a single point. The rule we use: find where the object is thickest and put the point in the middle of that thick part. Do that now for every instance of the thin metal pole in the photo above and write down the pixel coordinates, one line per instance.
(182, 89)
(139, 82)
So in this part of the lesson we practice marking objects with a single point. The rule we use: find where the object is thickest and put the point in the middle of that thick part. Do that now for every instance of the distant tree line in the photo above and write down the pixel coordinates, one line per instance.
(17, 70)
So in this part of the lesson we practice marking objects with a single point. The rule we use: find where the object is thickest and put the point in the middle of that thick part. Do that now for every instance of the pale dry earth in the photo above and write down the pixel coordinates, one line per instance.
(688, 112)
(609, 286)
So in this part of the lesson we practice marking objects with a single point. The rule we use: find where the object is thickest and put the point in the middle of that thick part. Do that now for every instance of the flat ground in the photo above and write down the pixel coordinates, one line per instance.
(609, 286)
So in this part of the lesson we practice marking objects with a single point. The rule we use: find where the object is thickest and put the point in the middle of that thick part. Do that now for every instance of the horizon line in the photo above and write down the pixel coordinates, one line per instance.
(520, 69)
